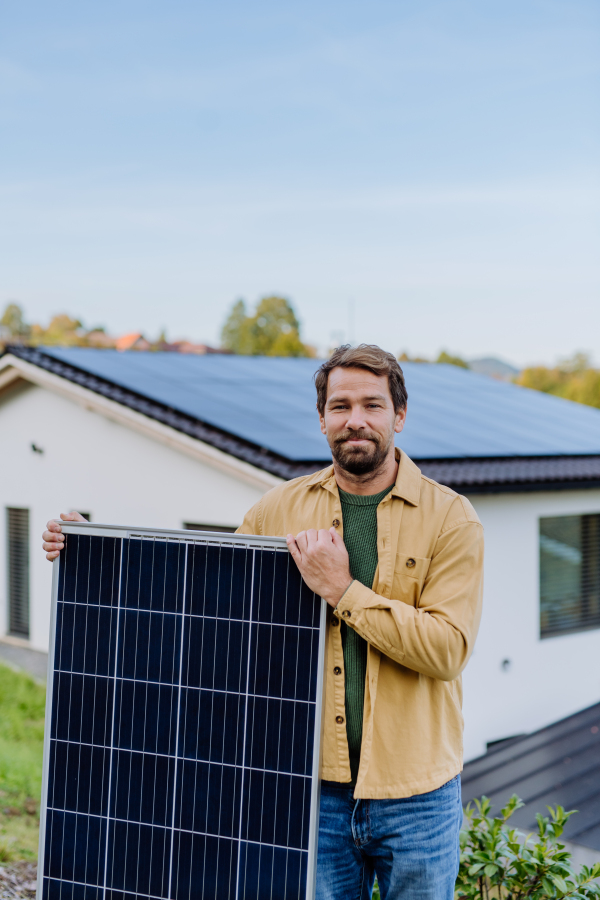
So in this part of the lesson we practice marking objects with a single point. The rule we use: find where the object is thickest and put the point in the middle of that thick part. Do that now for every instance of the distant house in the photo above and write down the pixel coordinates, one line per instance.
(189, 347)
(495, 368)
(174, 440)
(134, 341)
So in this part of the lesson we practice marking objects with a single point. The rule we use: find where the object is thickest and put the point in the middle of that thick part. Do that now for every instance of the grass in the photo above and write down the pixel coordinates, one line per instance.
(22, 702)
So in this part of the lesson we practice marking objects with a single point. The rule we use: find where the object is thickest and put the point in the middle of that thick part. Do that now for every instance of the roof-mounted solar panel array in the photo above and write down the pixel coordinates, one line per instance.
(183, 719)
(270, 402)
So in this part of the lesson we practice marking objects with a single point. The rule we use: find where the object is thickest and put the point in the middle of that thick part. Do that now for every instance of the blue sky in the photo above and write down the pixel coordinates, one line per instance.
(433, 166)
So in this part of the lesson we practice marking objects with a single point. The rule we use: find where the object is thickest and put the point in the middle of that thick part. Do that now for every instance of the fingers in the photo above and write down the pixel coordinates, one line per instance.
(293, 548)
(312, 537)
(337, 539)
(52, 544)
(53, 540)
(302, 541)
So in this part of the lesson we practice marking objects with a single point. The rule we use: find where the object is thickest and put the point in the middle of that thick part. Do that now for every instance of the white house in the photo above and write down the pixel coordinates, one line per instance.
(169, 441)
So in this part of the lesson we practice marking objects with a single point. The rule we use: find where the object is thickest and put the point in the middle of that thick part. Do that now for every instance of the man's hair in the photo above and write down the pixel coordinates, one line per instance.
(365, 356)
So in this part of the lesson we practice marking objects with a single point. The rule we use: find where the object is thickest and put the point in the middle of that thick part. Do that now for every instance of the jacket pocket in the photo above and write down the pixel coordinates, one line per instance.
(410, 573)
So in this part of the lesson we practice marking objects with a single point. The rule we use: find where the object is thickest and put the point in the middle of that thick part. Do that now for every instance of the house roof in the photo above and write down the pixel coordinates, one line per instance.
(463, 429)
(559, 764)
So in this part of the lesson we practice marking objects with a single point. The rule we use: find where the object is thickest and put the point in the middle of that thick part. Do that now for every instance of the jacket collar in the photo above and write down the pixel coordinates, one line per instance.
(408, 480)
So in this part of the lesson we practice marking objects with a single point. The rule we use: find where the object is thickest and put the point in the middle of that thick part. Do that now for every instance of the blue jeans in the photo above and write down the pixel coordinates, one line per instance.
(411, 844)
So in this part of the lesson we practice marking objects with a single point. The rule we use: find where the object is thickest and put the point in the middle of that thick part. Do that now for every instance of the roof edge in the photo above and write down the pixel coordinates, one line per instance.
(516, 474)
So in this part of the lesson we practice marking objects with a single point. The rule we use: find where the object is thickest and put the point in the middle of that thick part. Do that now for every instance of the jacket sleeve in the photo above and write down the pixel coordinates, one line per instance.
(252, 523)
(436, 638)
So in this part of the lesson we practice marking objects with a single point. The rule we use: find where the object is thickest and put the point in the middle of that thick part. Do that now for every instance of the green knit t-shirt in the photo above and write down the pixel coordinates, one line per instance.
(360, 537)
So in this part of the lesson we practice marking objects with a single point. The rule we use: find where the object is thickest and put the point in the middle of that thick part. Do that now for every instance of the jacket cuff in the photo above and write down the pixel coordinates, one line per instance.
(355, 598)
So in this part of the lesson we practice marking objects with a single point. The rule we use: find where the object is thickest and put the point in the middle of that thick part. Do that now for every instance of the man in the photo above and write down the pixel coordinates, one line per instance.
(398, 558)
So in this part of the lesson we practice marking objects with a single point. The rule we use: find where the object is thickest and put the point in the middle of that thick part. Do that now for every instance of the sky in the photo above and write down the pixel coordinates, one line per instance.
(419, 175)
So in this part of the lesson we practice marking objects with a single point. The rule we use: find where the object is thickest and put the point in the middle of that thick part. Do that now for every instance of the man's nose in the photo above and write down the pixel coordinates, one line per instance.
(356, 419)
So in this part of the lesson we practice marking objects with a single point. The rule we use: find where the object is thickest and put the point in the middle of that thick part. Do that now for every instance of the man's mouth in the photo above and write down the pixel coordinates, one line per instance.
(357, 441)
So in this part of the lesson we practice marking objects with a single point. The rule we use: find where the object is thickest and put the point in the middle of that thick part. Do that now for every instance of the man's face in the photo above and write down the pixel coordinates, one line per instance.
(359, 421)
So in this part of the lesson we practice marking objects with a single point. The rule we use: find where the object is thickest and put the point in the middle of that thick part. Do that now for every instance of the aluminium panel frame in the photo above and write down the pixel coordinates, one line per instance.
(189, 537)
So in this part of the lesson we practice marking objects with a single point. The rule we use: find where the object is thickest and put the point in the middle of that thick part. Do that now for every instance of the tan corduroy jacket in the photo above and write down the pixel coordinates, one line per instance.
(420, 620)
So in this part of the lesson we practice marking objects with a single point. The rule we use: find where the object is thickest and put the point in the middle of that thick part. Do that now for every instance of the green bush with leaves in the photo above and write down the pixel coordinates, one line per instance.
(505, 864)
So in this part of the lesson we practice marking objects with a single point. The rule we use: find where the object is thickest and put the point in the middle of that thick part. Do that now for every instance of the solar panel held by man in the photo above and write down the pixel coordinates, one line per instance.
(394, 560)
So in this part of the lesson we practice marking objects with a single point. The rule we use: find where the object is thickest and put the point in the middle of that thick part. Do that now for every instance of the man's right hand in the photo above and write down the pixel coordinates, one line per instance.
(53, 538)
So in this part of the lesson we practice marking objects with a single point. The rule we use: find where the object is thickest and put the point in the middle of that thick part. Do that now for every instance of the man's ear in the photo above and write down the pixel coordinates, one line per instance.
(322, 423)
(400, 420)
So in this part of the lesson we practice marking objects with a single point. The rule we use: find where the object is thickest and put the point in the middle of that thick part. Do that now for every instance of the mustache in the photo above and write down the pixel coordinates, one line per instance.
(347, 435)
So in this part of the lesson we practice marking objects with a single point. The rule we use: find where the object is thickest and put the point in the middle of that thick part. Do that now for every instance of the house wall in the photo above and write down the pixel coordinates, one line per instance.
(546, 679)
(95, 465)
(123, 477)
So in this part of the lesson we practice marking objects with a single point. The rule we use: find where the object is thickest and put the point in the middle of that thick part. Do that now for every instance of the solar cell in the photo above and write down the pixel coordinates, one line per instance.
(183, 719)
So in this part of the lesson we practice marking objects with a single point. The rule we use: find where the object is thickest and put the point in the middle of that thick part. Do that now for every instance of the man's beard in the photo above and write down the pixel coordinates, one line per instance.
(359, 460)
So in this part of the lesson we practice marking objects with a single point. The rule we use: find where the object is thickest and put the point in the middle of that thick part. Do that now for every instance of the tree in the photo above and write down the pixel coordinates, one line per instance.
(273, 330)
(235, 334)
(574, 379)
(62, 331)
(13, 321)
(452, 360)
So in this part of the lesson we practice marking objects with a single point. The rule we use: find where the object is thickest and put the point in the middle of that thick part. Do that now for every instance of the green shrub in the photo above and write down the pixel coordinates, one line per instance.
(498, 862)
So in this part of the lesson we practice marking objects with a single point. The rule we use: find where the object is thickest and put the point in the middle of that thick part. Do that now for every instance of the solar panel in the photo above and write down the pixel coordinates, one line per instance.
(182, 741)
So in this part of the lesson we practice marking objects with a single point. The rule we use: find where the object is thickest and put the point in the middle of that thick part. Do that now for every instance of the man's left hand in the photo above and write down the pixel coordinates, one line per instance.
(323, 561)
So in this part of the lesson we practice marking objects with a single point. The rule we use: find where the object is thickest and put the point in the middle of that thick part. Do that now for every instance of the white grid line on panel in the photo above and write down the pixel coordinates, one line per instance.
(177, 725)
(221, 837)
(189, 647)
(226, 682)
(188, 687)
(212, 707)
(193, 759)
(186, 615)
(84, 655)
(112, 725)
(245, 731)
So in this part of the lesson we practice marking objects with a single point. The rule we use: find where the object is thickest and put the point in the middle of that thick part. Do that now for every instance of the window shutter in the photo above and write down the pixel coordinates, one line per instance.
(18, 571)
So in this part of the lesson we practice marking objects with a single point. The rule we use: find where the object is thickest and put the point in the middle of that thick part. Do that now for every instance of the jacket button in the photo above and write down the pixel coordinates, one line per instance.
(337, 670)
(336, 523)
(335, 621)
(339, 720)
(346, 613)
(410, 563)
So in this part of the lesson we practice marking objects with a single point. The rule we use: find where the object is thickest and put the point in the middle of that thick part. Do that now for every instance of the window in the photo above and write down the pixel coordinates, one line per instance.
(569, 574)
(193, 526)
(17, 522)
